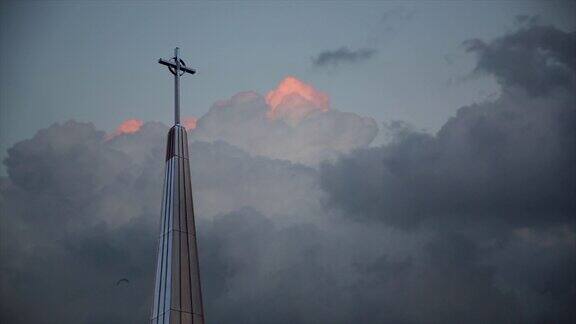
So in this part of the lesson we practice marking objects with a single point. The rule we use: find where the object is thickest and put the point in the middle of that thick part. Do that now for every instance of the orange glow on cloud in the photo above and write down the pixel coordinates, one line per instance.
(129, 126)
(189, 122)
(294, 100)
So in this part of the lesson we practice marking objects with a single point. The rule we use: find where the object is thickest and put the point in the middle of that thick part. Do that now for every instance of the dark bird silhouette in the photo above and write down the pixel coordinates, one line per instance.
(121, 281)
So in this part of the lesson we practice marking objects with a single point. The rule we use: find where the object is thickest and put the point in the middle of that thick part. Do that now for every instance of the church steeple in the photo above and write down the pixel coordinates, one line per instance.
(177, 293)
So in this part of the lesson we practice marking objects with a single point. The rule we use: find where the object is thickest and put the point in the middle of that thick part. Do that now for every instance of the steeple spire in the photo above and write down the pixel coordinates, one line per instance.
(177, 292)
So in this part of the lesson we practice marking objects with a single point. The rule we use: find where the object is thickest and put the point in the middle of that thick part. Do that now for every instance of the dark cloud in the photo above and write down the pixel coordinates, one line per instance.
(296, 275)
(471, 225)
(82, 213)
(510, 159)
(537, 58)
(269, 251)
(502, 172)
(343, 55)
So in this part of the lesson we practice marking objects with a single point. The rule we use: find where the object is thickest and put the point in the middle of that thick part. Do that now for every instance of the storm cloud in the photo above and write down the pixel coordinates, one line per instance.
(502, 172)
(538, 59)
(511, 159)
(300, 221)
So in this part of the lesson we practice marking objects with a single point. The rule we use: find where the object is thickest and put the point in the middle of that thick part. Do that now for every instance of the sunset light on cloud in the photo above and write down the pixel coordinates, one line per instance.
(128, 126)
(294, 100)
(189, 122)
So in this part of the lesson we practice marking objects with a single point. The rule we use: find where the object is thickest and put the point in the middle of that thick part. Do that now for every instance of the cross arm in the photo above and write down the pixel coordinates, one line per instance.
(173, 65)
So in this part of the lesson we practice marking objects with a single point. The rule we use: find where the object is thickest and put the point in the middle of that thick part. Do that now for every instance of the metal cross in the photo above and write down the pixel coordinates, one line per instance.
(177, 67)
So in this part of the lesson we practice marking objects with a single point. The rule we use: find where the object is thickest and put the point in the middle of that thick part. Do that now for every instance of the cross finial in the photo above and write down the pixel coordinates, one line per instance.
(177, 67)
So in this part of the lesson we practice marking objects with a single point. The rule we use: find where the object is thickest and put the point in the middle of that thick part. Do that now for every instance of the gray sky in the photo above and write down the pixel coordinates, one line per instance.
(96, 62)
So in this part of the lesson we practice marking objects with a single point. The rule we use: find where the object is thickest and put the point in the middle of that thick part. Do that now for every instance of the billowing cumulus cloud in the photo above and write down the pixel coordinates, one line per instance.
(292, 123)
(473, 224)
(343, 55)
(294, 100)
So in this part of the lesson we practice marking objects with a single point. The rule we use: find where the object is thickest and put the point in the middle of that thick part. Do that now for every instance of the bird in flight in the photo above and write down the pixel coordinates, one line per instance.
(119, 282)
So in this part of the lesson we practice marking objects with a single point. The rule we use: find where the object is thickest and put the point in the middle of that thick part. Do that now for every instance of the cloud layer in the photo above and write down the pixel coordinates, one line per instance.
(474, 224)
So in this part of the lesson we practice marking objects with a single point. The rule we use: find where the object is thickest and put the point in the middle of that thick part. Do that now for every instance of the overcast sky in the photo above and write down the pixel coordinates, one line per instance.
(96, 61)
